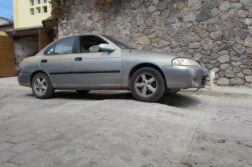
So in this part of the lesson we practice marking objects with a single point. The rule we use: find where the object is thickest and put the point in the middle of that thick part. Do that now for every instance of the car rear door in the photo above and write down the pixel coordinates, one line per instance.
(95, 69)
(58, 62)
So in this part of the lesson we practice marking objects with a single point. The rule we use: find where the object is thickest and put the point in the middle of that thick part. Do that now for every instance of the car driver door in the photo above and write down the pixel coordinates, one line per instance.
(94, 68)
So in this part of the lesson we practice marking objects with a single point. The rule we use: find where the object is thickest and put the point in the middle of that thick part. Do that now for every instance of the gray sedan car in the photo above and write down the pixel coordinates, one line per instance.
(100, 62)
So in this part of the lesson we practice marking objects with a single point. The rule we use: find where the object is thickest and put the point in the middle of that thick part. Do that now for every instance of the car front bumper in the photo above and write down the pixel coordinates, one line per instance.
(184, 77)
(24, 79)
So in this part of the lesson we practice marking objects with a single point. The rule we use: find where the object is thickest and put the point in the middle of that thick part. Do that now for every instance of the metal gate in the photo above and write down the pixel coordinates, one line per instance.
(7, 67)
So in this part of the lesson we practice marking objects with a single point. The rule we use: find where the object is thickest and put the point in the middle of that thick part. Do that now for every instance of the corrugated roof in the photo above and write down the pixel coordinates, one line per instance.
(27, 28)
(25, 31)
(5, 22)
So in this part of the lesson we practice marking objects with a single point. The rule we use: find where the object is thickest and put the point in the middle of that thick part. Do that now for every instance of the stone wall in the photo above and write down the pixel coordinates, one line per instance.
(216, 32)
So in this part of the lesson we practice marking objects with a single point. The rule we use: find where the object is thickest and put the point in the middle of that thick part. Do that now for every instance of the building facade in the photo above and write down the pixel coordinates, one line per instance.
(30, 13)
(216, 32)
(30, 34)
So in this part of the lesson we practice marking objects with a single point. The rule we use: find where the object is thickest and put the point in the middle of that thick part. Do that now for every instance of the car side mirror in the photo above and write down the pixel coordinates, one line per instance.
(106, 48)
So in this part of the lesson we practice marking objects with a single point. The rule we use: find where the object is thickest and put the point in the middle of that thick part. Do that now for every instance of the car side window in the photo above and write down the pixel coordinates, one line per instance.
(90, 44)
(63, 46)
(49, 51)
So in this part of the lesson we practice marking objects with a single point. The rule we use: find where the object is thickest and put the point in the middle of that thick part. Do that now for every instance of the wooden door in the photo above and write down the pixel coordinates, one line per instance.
(7, 67)
(45, 38)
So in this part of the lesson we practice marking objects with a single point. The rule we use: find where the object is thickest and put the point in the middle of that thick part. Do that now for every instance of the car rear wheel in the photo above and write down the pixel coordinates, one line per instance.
(41, 86)
(147, 84)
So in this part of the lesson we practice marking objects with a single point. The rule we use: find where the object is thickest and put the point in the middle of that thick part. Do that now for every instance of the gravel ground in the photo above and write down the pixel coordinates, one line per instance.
(111, 129)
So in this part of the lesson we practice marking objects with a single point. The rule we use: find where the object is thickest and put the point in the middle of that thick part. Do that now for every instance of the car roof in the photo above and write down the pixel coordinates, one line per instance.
(78, 35)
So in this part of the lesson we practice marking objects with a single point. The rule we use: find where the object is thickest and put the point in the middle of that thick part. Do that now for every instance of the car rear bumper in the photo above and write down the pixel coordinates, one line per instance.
(24, 79)
(184, 77)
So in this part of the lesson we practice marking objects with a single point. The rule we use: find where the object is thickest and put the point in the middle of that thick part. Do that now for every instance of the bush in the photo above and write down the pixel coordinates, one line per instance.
(59, 6)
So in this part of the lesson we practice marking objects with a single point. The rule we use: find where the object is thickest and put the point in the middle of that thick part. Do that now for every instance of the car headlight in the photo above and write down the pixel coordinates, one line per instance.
(185, 62)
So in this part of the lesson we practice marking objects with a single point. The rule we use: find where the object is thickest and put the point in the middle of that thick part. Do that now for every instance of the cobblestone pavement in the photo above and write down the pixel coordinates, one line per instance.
(110, 129)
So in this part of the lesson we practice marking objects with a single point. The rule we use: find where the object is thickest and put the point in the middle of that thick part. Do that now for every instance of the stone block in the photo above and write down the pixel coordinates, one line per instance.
(224, 6)
(229, 74)
(195, 45)
(239, 48)
(223, 82)
(194, 4)
(237, 81)
(144, 40)
(247, 72)
(248, 42)
(248, 78)
(216, 35)
(224, 59)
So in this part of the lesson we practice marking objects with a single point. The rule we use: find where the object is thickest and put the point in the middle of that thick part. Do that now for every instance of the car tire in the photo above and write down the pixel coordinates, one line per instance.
(83, 92)
(147, 84)
(172, 91)
(41, 86)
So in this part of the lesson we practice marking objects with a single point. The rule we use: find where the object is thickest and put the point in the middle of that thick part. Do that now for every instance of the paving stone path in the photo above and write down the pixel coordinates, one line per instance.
(111, 129)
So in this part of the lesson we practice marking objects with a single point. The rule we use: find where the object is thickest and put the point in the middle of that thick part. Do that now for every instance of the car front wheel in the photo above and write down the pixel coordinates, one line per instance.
(147, 84)
(41, 86)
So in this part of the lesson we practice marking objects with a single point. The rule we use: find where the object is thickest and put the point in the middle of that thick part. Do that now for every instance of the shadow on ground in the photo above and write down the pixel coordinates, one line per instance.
(176, 100)
(180, 100)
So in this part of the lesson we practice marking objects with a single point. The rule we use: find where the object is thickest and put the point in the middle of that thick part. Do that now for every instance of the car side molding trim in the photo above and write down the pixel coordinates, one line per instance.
(83, 72)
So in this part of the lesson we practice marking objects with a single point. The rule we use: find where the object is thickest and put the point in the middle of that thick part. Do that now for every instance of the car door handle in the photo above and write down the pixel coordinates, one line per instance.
(78, 59)
(44, 61)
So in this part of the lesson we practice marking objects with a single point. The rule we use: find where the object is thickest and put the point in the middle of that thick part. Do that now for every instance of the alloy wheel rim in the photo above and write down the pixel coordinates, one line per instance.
(146, 85)
(40, 86)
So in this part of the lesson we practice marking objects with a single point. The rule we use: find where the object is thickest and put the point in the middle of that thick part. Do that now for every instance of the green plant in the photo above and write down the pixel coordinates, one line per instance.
(59, 6)
(101, 3)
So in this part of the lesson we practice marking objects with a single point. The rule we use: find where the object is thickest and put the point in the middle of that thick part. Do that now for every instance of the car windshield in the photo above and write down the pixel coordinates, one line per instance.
(119, 43)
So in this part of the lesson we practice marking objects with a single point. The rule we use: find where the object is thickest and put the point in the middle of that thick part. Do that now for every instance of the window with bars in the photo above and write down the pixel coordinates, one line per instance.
(32, 2)
(44, 9)
(38, 10)
(32, 11)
